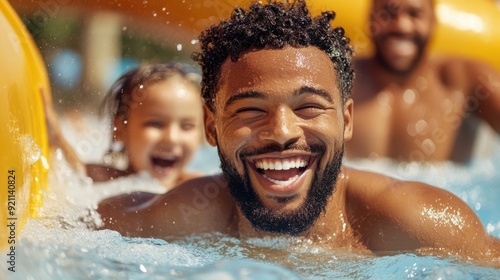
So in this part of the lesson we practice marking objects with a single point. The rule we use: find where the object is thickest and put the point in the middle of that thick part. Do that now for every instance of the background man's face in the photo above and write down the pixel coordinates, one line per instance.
(279, 128)
(401, 30)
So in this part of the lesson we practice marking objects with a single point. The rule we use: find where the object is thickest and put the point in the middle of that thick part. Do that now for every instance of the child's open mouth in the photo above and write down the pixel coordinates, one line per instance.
(164, 163)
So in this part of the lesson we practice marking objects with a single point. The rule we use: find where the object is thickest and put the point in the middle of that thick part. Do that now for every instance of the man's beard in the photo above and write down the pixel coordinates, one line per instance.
(421, 46)
(299, 220)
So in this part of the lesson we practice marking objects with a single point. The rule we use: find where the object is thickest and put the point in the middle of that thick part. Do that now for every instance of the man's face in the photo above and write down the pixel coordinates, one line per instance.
(279, 126)
(401, 30)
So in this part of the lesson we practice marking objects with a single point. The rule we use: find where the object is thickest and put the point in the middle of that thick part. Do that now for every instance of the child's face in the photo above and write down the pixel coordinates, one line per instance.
(163, 129)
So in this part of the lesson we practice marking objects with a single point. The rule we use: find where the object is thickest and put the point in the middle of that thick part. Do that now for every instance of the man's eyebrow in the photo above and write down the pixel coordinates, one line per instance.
(243, 95)
(257, 94)
(321, 92)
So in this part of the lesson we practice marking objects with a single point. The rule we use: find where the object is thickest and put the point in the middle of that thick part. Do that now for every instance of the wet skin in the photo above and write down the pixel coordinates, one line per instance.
(284, 101)
(268, 105)
(161, 133)
(411, 106)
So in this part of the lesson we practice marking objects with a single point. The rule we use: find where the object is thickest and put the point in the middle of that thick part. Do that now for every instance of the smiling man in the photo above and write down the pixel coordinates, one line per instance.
(276, 86)
(415, 106)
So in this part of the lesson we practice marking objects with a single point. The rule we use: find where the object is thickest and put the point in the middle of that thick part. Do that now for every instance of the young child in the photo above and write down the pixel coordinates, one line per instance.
(158, 124)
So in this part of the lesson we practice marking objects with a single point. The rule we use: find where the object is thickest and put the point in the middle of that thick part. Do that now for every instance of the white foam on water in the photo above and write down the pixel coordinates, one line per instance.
(61, 244)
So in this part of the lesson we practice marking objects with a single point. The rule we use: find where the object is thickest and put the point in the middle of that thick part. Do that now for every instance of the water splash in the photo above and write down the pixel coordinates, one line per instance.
(61, 244)
(31, 150)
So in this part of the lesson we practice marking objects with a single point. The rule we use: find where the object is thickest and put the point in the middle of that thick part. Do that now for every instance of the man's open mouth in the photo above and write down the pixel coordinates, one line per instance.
(281, 171)
(281, 176)
(398, 46)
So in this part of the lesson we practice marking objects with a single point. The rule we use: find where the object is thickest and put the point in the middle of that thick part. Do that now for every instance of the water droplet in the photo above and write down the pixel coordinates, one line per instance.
(384, 101)
(409, 96)
(428, 146)
(421, 83)
(421, 126)
(45, 162)
(410, 129)
(490, 228)
(31, 149)
(385, 109)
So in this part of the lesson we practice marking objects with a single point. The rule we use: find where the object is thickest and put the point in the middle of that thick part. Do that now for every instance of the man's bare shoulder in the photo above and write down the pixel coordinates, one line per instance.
(394, 215)
(101, 173)
(389, 194)
(460, 72)
(198, 205)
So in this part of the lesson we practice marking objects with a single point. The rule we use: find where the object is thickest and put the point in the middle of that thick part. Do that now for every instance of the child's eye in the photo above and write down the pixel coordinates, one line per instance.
(156, 124)
(188, 126)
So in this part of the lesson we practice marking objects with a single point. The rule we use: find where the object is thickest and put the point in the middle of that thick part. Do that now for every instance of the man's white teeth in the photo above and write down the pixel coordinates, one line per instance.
(282, 183)
(400, 44)
(280, 164)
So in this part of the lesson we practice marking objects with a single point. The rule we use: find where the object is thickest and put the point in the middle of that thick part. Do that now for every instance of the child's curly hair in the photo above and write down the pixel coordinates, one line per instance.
(274, 25)
(121, 93)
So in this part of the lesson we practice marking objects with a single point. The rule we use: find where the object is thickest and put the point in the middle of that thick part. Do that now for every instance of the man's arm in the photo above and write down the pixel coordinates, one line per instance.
(410, 216)
(484, 98)
(197, 206)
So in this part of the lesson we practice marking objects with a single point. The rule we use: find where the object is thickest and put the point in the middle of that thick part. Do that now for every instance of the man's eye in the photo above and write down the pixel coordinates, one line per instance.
(310, 110)
(249, 112)
(310, 107)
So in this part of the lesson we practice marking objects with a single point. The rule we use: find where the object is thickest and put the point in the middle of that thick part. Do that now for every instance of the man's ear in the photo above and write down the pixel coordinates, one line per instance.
(209, 120)
(348, 118)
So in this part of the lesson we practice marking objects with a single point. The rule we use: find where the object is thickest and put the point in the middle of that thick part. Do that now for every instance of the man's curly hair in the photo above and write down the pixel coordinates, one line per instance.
(274, 26)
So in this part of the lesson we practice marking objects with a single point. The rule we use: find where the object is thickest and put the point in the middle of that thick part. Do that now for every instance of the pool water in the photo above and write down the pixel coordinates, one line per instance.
(60, 244)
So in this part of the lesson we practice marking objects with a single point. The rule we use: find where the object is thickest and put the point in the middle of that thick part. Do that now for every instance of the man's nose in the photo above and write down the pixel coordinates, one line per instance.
(282, 127)
(402, 23)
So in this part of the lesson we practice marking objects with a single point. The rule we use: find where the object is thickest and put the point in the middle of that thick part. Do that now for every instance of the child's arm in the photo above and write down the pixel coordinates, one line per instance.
(56, 137)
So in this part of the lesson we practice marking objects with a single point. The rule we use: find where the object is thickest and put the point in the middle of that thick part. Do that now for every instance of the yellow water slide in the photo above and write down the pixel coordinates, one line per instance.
(23, 136)
(466, 28)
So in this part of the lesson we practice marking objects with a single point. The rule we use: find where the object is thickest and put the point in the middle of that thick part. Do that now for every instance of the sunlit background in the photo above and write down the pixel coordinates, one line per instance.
(88, 44)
